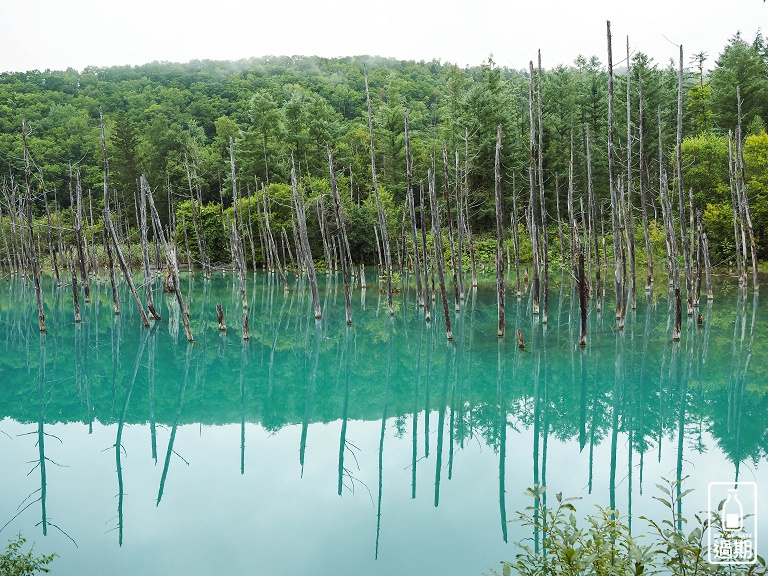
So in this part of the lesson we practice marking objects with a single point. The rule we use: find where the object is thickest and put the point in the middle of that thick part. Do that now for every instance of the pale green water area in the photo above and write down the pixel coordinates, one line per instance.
(378, 449)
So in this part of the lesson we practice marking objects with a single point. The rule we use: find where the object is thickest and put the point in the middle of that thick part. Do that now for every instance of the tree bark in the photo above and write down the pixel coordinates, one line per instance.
(220, 317)
(643, 191)
(744, 198)
(236, 230)
(500, 292)
(302, 221)
(516, 234)
(148, 280)
(582, 299)
(532, 202)
(343, 232)
(75, 295)
(618, 283)
(459, 230)
(737, 222)
(412, 213)
(427, 292)
(630, 224)
(113, 235)
(593, 224)
(78, 230)
(542, 206)
(439, 251)
(449, 217)
(111, 264)
(681, 189)
(51, 249)
(31, 247)
(170, 256)
(379, 208)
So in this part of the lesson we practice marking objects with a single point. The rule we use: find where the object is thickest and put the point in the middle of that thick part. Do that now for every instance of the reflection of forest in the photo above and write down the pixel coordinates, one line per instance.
(636, 382)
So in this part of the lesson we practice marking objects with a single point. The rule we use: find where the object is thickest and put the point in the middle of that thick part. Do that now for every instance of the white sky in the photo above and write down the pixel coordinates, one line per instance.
(57, 34)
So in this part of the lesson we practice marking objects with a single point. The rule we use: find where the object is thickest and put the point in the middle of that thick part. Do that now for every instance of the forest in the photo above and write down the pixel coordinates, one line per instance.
(191, 128)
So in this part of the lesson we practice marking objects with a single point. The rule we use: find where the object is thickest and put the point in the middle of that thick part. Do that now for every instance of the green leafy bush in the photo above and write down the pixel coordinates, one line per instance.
(13, 562)
(601, 544)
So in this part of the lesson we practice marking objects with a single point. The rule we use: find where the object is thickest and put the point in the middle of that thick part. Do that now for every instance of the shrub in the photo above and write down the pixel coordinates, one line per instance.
(13, 562)
(601, 544)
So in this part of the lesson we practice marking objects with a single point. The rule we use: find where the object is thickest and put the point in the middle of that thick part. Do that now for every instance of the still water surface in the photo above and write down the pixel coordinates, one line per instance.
(378, 449)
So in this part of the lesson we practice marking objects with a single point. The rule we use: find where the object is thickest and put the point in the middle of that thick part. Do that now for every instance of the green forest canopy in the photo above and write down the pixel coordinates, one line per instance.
(161, 115)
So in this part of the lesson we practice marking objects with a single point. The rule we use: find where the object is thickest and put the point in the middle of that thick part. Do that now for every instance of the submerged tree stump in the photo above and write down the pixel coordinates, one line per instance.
(246, 328)
(220, 317)
(75, 295)
(168, 285)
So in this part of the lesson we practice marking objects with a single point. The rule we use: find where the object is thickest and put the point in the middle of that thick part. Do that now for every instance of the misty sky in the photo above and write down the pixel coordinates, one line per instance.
(58, 34)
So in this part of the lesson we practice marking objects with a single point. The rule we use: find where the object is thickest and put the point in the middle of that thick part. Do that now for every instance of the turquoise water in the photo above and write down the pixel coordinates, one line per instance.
(378, 449)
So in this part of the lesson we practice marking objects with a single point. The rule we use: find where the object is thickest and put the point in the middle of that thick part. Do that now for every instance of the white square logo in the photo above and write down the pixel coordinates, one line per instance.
(732, 534)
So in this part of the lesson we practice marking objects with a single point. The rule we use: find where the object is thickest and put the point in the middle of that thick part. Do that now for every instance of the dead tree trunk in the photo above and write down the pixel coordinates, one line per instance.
(743, 198)
(582, 298)
(466, 210)
(630, 225)
(439, 251)
(618, 280)
(737, 222)
(15, 221)
(379, 208)
(707, 264)
(449, 217)
(643, 190)
(343, 232)
(320, 209)
(302, 220)
(681, 189)
(236, 232)
(30, 224)
(51, 249)
(533, 201)
(75, 295)
(593, 223)
(542, 205)
(77, 218)
(516, 235)
(111, 264)
(250, 235)
(113, 235)
(459, 231)
(187, 251)
(698, 251)
(8, 255)
(412, 213)
(500, 292)
(427, 292)
(220, 317)
(170, 256)
(94, 254)
(148, 280)
(271, 241)
(287, 245)
(669, 225)
(574, 234)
